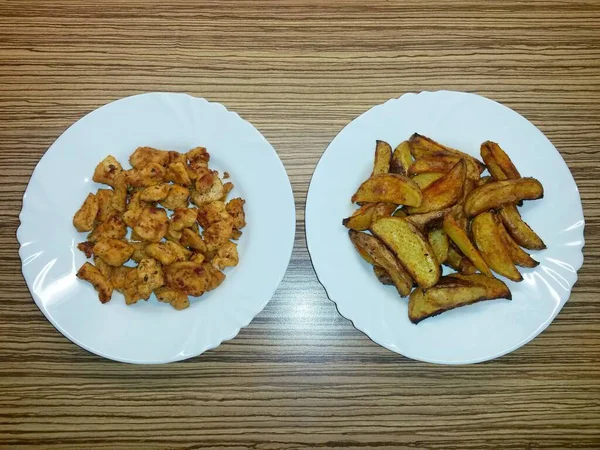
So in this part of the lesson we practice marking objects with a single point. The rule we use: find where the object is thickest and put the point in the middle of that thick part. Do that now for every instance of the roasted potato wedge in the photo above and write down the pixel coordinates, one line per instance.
(495, 170)
(383, 156)
(494, 287)
(497, 193)
(423, 180)
(503, 160)
(399, 213)
(383, 276)
(422, 147)
(377, 252)
(448, 294)
(363, 217)
(459, 262)
(433, 164)
(444, 192)
(519, 230)
(488, 241)
(411, 248)
(389, 188)
(517, 254)
(462, 241)
(482, 181)
(401, 159)
(439, 242)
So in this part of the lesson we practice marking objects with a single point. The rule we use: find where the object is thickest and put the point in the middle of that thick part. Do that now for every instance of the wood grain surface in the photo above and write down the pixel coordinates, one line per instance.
(300, 376)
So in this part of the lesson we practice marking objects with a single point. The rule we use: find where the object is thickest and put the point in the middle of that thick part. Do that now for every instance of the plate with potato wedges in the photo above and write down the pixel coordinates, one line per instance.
(445, 226)
(148, 230)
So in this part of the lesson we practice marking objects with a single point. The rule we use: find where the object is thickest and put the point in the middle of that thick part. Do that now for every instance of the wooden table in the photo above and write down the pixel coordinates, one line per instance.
(300, 376)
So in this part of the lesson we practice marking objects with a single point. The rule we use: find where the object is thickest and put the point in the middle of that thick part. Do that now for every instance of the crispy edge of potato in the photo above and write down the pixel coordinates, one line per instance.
(503, 160)
(411, 247)
(421, 145)
(362, 218)
(401, 159)
(519, 256)
(383, 257)
(439, 242)
(383, 156)
(423, 304)
(490, 245)
(495, 288)
(519, 230)
(483, 180)
(495, 170)
(497, 193)
(389, 188)
(459, 236)
(444, 192)
(383, 276)
(425, 179)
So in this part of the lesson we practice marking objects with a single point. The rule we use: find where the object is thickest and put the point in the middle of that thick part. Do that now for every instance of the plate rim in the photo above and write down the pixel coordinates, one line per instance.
(211, 345)
(339, 305)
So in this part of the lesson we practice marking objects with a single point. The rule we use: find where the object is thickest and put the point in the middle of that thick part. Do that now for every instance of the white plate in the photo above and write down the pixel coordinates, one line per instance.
(473, 333)
(153, 332)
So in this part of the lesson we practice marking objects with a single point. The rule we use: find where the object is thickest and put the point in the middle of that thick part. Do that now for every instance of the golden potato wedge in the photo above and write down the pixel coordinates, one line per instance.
(383, 276)
(488, 241)
(462, 241)
(400, 212)
(503, 160)
(152, 224)
(91, 274)
(364, 216)
(188, 277)
(439, 242)
(143, 156)
(519, 230)
(383, 156)
(433, 219)
(448, 294)
(517, 254)
(433, 164)
(113, 251)
(494, 287)
(422, 147)
(374, 252)
(86, 215)
(495, 170)
(423, 180)
(150, 276)
(401, 159)
(443, 193)
(107, 170)
(389, 188)
(497, 193)
(176, 299)
(410, 247)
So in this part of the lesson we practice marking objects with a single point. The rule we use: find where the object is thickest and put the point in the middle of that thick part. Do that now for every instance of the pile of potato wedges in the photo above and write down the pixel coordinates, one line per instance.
(426, 204)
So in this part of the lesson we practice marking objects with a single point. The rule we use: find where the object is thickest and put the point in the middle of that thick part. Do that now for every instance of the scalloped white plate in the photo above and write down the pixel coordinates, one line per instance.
(473, 333)
(153, 332)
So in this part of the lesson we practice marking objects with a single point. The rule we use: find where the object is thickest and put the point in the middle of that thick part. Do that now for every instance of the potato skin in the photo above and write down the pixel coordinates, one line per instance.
(411, 248)
(383, 156)
(519, 230)
(444, 192)
(497, 193)
(389, 188)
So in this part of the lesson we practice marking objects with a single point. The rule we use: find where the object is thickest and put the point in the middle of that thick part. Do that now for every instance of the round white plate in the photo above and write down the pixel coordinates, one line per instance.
(473, 333)
(153, 332)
